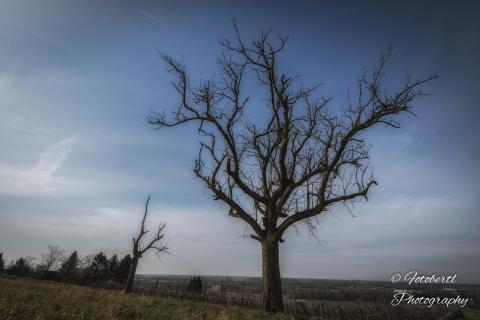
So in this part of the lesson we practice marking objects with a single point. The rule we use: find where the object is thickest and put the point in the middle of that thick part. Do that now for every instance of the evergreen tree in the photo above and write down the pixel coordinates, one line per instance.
(98, 270)
(2, 262)
(21, 267)
(113, 265)
(124, 268)
(69, 269)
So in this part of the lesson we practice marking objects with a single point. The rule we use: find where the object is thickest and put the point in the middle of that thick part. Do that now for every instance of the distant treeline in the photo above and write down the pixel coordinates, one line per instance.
(55, 265)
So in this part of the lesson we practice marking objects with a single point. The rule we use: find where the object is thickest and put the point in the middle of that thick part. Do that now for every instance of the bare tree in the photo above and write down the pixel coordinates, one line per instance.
(86, 261)
(302, 158)
(139, 248)
(51, 258)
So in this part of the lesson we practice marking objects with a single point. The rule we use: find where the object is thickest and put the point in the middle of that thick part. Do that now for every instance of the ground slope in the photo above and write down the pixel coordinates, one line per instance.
(33, 299)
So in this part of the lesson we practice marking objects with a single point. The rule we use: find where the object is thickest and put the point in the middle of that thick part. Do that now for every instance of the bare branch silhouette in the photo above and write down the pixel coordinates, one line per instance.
(300, 161)
(139, 247)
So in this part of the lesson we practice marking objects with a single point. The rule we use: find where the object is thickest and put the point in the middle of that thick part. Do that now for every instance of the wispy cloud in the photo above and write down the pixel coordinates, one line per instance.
(37, 179)
(50, 160)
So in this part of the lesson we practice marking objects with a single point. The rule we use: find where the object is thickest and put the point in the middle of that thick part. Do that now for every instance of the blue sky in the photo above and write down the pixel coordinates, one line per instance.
(78, 79)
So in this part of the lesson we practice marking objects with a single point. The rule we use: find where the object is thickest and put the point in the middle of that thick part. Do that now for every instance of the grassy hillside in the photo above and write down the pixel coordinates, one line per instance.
(24, 298)
(33, 299)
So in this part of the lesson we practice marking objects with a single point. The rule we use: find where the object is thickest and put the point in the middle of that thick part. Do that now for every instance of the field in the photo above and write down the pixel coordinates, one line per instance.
(26, 298)
(319, 298)
(29, 299)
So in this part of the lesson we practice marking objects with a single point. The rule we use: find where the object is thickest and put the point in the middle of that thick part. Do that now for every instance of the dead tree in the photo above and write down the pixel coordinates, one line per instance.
(139, 248)
(51, 258)
(292, 162)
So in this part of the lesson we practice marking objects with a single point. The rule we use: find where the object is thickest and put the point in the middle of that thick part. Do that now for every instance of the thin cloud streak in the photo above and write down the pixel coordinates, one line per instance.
(36, 180)
(149, 15)
(50, 160)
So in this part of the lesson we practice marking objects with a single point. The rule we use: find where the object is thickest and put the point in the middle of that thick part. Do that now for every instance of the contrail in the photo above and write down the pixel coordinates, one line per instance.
(148, 15)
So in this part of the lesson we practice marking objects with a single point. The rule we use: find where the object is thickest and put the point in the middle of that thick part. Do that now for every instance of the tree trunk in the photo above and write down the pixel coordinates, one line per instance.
(131, 276)
(271, 282)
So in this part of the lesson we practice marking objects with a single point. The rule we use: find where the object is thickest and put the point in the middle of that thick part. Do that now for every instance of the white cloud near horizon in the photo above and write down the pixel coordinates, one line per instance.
(196, 247)
(387, 235)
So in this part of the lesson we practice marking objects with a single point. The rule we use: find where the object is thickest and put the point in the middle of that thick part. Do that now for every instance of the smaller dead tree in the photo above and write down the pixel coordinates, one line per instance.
(139, 248)
(52, 258)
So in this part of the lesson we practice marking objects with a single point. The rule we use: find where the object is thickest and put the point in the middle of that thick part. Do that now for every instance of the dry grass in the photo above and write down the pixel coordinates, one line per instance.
(33, 299)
